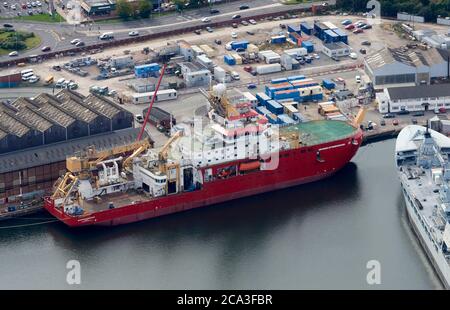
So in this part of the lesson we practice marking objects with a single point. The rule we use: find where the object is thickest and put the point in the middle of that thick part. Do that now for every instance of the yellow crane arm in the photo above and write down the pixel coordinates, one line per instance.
(162, 155)
(359, 117)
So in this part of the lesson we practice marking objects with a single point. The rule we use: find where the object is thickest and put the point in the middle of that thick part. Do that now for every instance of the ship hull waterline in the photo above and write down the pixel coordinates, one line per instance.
(296, 167)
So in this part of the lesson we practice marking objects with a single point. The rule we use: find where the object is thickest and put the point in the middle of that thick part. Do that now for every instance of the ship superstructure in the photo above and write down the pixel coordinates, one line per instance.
(422, 157)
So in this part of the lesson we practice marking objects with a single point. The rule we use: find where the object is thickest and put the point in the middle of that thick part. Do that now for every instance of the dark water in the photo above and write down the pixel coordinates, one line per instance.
(315, 236)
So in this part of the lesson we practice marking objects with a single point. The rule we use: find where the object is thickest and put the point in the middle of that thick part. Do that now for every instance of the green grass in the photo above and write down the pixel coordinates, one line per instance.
(46, 18)
(30, 43)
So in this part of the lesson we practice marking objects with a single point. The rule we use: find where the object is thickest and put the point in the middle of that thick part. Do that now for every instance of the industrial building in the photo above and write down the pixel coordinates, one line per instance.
(48, 119)
(336, 49)
(396, 67)
(108, 7)
(414, 98)
(195, 74)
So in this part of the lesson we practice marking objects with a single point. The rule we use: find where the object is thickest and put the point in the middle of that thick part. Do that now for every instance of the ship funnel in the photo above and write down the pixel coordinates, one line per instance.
(219, 90)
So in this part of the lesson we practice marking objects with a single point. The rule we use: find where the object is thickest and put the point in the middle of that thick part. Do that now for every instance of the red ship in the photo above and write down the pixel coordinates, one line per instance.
(200, 167)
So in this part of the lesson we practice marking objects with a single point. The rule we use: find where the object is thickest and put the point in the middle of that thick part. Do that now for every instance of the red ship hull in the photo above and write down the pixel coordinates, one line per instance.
(298, 166)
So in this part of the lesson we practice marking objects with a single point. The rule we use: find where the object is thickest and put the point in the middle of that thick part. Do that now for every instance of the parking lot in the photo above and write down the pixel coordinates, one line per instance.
(12, 9)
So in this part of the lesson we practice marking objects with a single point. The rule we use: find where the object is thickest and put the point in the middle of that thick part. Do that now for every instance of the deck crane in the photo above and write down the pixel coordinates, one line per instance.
(147, 115)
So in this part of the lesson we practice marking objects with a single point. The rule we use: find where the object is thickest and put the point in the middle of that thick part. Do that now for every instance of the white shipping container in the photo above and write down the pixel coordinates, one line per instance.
(166, 94)
(219, 74)
(207, 50)
(266, 69)
(330, 25)
(197, 50)
(252, 48)
(301, 51)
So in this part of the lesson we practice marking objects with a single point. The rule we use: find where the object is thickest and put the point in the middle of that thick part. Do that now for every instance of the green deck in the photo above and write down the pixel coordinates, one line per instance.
(318, 132)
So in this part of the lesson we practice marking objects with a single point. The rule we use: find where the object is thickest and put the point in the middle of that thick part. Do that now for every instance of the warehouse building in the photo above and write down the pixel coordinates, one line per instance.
(49, 119)
(414, 98)
(397, 67)
(108, 7)
(336, 49)
(32, 172)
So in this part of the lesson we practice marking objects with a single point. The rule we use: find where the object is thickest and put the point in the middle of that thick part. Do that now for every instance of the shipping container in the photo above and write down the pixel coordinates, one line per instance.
(239, 44)
(273, 119)
(274, 107)
(266, 69)
(328, 84)
(229, 60)
(308, 45)
(293, 52)
(343, 36)
(219, 74)
(306, 28)
(294, 28)
(278, 39)
(279, 80)
(285, 119)
(293, 94)
(262, 110)
(330, 36)
(304, 83)
(293, 78)
(289, 109)
(197, 50)
(237, 58)
(252, 48)
(329, 25)
(144, 71)
(208, 50)
(250, 98)
(163, 95)
(272, 88)
(296, 38)
(262, 98)
(319, 30)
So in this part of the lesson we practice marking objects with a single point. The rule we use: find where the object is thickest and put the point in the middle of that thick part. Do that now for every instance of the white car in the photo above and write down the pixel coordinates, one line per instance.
(75, 41)
(353, 56)
(5, 4)
(234, 35)
(252, 21)
(39, 3)
(13, 6)
(13, 54)
(206, 19)
(33, 79)
(133, 33)
(358, 79)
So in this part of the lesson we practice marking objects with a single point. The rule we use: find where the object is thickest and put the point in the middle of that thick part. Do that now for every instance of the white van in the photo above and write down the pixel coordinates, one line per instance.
(27, 76)
(235, 75)
(106, 36)
(23, 72)
(358, 79)
(60, 83)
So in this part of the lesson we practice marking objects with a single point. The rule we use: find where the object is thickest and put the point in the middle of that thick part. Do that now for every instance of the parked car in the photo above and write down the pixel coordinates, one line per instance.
(346, 22)
(359, 30)
(403, 112)
(382, 122)
(245, 23)
(80, 44)
(133, 33)
(365, 27)
(234, 25)
(218, 41)
(56, 68)
(46, 49)
(251, 86)
(214, 11)
(366, 43)
(13, 54)
(363, 51)
(209, 29)
(418, 113)
(206, 19)
(350, 27)
(252, 21)
(139, 118)
(75, 41)
(353, 55)
(414, 121)
(236, 16)
(244, 7)
(389, 115)
(248, 68)
(198, 31)
(282, 26)
(395, 122)
(8, 26)
(251, 33)
(234, 35)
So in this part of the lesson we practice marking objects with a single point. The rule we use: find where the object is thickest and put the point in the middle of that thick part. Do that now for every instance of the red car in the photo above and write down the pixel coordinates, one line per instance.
(248, 68)
(395, 122)
(359, 30)
(350, 27)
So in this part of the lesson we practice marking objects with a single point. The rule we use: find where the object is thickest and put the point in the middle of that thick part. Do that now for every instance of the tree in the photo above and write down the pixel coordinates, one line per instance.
(124, 9)
(180, 4)
(144, 8)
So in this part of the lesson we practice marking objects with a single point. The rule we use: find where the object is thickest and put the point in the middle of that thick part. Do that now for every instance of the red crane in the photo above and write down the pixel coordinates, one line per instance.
(163, 70)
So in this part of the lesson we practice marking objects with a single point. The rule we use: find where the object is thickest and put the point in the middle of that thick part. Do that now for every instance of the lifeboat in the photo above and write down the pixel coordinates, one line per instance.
(253, 165)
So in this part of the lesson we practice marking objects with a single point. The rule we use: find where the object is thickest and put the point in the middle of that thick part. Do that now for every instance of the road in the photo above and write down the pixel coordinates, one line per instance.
(59, 35)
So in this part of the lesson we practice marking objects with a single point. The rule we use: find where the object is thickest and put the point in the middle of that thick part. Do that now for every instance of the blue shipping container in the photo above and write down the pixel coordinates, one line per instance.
(343, 36)
(286, 119)
(274, 107)
(308, 45)
(280, 80)
(328, 84)
(281, 95)
(294, 28)
(273, 119)
(330, 36)
(262, 98)
(306, 28)
(300, 117)
(262, 110)
(239, 44)
(147, 70)
(296, 78)
(278, 40)
(229, 60)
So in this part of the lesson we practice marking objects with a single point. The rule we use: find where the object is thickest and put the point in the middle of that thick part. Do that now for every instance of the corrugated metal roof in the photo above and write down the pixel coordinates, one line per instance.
(12, 125)
(46, 104)
(24, 111)
(102, 105)
(421, 91)
(59, 151)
